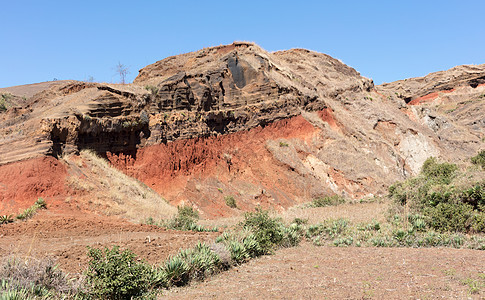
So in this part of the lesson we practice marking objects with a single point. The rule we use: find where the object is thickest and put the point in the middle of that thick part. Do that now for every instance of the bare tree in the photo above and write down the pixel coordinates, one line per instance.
(122, 70)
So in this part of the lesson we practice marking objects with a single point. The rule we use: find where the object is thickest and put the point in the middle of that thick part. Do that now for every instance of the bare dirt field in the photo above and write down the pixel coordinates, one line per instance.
(310, 272)
(65, 238)
(303, 272)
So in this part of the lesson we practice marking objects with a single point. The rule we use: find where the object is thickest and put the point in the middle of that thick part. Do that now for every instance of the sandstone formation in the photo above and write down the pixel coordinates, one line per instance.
(269, 129)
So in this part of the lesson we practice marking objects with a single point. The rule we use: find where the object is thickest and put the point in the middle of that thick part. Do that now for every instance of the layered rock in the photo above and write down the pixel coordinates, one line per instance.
(270, 129)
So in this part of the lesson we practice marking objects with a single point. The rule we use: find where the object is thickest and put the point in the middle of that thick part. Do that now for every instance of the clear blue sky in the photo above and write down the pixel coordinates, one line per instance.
(383, 40)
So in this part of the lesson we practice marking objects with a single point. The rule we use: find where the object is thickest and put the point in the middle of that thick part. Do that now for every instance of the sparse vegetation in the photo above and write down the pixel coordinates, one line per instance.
(152, 89)
(30, 212)
(125, 195)
(35, 279)
(479, 159)
(283, 144)
(230, 201)
(328, 201)
(186, 219)
(5, 101)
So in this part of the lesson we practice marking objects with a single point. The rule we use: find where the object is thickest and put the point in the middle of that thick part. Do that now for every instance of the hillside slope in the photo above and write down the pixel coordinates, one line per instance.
(269, 129)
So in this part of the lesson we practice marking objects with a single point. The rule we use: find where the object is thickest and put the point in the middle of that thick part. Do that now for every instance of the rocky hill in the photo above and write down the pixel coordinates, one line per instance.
(268, 129)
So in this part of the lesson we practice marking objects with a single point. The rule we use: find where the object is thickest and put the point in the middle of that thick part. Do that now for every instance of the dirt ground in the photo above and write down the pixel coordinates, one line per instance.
(303, 272)
(311, 272)
(66, 238)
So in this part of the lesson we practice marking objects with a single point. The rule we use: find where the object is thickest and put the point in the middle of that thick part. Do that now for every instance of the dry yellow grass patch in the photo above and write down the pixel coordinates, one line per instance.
(354, 212)
(114, 193)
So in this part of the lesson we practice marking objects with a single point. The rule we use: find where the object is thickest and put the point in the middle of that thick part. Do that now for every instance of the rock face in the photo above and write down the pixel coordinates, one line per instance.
(269, 129)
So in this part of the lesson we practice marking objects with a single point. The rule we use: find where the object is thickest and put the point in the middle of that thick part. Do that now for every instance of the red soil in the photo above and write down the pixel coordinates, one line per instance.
(170, 168)
(328, 116)
(429, 97)
(65, 238)
(22, 183)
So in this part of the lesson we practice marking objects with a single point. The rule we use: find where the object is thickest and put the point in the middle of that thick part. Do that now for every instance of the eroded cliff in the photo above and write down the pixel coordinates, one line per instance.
(269, 129)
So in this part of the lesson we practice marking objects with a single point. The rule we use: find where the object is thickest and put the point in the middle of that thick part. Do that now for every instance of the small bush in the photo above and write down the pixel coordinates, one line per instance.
(152, 89)
(267, 230)
(230, 201)
(115, 274)
(450, 217)
(175, 272)
(479, 159)
(442, 172)
(186, 219)
(5, 101)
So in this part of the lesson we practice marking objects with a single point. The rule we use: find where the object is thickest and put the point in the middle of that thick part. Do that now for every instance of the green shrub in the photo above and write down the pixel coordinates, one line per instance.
(267, 231)
(343, 242)
(479, 159)
(442, 172)
(230, 201)
(328, 201)
(186, 219)
(238, 251)
(450, 217)
(115, 274)
(474, 195)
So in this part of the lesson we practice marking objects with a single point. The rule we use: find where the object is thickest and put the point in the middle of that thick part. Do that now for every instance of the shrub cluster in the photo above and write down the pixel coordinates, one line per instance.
(196, 263)
(439, 194)
(259, 234)
(115, 274)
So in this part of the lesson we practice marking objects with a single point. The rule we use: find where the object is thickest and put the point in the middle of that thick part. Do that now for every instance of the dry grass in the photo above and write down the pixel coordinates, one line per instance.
(115, 193)
(354, 212)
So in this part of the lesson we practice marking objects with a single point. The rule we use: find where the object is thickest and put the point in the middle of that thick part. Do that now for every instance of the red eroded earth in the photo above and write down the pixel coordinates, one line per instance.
(22, 183)
(230, 162)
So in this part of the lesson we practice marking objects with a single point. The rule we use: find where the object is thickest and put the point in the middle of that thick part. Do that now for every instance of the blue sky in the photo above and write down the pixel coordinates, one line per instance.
(383, 40)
